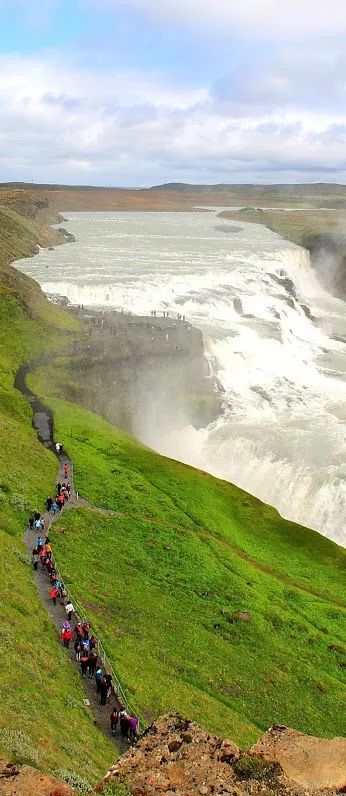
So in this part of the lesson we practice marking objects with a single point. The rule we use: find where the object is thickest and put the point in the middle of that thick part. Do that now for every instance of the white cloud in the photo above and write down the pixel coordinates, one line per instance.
(260, 18)
(60, 123)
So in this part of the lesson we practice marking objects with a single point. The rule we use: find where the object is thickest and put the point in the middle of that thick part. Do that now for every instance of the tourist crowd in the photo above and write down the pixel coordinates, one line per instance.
(78, 633)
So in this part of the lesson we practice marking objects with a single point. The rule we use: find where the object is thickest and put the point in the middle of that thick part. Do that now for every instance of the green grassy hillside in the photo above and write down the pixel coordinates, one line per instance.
(42, 718)
(163, 586)
(163, 582)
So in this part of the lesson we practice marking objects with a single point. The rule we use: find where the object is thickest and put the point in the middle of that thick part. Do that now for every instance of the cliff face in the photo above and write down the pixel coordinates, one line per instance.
(328, 257)
(316, 230)
(136, 371)
(177, 757)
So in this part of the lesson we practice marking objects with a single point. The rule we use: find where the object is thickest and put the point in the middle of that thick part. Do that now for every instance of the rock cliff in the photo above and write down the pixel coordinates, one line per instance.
(136, 371)
(176, 757)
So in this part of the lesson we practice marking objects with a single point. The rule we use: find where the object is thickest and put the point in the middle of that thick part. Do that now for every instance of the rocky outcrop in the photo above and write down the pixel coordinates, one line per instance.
(176, 757)
(328, 257)
(311, 762)
(141, 372)
(17, 780)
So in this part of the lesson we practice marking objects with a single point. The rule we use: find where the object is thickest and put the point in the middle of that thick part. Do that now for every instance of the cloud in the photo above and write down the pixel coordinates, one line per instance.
(289, 78)
(61, 100)
(70, 124)
(295, 19)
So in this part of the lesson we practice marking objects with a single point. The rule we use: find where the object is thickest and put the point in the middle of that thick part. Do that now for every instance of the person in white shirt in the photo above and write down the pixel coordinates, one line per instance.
(69, 608)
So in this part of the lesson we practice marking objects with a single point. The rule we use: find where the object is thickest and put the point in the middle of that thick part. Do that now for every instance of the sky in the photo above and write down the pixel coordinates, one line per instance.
(141, 92)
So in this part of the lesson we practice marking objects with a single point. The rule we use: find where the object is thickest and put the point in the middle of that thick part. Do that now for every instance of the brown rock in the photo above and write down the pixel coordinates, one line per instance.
(229, 752)
(311, 762)
(242, 616)
(18, 780)
(208, 765)
(174, 745)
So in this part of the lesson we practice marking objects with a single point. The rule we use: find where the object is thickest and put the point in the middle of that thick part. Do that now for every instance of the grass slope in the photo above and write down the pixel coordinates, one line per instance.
(162, 592)
(42, 718)
(295, 225)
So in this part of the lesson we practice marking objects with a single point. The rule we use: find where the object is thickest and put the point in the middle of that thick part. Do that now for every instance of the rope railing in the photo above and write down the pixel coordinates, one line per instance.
(80, 614)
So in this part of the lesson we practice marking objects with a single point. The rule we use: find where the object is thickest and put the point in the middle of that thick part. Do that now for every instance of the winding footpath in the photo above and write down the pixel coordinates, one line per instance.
(43, 423)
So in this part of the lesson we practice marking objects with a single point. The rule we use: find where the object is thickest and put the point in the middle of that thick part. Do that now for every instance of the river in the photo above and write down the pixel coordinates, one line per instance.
(273, 335)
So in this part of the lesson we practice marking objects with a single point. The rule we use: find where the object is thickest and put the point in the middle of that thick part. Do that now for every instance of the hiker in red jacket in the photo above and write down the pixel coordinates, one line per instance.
(66, 635)
(54, 593)
(66, 469)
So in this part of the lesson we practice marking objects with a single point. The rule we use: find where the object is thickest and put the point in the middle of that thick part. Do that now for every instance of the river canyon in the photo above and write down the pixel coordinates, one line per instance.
(274, 339)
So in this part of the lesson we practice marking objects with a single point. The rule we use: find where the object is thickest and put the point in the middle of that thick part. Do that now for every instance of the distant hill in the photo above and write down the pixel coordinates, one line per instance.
(288, 188)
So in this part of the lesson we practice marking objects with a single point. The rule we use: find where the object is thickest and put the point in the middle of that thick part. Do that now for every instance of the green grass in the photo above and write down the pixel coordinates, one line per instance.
(161, 593)
(42, 718)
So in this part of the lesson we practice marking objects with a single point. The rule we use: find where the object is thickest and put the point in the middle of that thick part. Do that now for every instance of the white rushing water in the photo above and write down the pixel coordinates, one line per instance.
(274, 336)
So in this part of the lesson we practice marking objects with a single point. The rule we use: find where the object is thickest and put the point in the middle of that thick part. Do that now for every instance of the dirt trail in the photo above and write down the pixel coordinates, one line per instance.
(43, 423)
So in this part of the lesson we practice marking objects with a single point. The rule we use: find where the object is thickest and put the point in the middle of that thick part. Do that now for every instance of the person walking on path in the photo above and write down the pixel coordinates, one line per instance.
(66, 469)
(103, 691)
(66, 635)
(31, 522)
(108, 679)
(84, 660)
(48, 550)
(49, 503)
(78, 649)
(133, 724)
(114, 719)
(35, 559)
(92, 662)
(38, 525)
(69, 608)
(79, 630)
(54, 593)
(124, 724)
(98, 678)
(86, 630)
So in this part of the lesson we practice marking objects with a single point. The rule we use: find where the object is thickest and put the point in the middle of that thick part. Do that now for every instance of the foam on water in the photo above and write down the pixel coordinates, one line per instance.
(270, 332)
